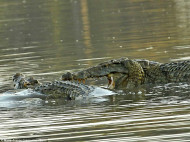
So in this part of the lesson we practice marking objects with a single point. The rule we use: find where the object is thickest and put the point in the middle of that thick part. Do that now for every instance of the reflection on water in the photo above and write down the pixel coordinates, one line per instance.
(47, 38)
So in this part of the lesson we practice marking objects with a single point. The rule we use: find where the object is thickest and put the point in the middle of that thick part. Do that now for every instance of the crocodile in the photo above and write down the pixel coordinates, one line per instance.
(127, 73)
(57, 89)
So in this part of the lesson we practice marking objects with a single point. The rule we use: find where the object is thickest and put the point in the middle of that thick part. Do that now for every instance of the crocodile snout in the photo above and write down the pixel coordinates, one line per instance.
(69, 76)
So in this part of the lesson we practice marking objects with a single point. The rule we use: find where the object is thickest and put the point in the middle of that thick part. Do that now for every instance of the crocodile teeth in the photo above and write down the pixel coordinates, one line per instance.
(26, 84)
(111, 83)
(81, 80)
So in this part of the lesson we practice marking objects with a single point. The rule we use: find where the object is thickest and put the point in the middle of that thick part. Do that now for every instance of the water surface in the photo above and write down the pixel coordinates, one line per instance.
(48, 38)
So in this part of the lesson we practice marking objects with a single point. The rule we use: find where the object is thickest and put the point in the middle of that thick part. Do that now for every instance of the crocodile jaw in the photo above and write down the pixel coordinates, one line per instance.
(119, 73)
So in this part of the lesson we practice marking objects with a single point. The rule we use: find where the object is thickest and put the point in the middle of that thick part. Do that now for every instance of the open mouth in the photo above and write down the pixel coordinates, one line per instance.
(72, 77)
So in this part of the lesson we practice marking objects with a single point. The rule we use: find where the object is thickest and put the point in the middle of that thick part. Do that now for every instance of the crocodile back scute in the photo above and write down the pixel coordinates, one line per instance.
(177, 71)
(147, 63)
(65, 89)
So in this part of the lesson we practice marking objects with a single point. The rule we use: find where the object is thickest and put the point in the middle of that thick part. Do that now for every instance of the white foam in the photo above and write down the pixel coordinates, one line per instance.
(98, 92)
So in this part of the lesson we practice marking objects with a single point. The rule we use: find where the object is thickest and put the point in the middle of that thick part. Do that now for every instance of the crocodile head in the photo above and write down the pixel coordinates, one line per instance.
(120, 73)
(20, 82)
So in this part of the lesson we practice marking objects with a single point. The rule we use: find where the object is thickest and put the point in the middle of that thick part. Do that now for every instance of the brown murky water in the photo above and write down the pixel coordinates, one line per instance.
(45, 38)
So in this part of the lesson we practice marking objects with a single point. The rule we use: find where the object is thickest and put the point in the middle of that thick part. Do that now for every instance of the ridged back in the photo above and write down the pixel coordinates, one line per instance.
(64, 89)
(146, 63)
(177, 71)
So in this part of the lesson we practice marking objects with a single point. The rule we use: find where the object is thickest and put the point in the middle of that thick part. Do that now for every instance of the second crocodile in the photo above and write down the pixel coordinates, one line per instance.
(57, 89)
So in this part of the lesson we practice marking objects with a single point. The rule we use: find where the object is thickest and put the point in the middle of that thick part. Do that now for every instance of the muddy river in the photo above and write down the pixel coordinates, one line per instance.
(46, 38)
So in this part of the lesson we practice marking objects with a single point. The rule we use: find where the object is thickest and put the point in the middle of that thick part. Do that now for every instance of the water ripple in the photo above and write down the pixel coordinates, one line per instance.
(98, 124)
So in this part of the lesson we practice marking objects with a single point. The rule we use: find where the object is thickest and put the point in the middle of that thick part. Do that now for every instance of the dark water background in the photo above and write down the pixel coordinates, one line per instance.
(45, 38)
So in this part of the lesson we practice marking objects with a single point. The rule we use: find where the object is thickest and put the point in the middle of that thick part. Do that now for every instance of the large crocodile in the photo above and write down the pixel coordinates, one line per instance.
(57, 89)
(124, 72)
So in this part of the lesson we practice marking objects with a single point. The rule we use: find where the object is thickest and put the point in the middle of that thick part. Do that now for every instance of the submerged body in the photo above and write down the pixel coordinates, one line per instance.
(124, 72)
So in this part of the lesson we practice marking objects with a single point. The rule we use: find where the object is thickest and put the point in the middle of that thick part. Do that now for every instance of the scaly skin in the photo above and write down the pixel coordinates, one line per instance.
(126, 72)
(64, 89)
(57, 89)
